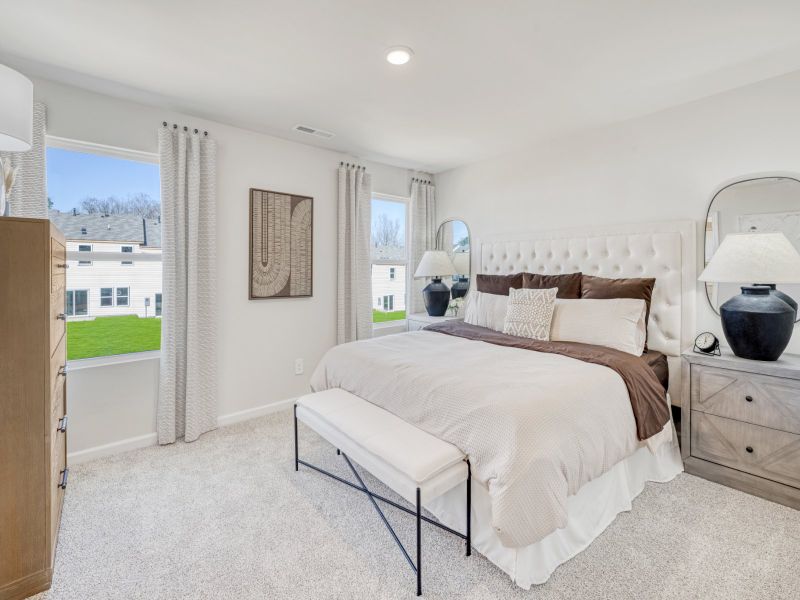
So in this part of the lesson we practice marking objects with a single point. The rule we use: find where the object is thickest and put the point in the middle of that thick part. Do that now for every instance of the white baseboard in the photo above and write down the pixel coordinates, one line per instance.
(133, 443)
(252, 413)
(151, 439)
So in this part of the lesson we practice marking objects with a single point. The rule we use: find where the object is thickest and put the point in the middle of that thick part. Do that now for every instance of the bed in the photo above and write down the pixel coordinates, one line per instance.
(556, 448)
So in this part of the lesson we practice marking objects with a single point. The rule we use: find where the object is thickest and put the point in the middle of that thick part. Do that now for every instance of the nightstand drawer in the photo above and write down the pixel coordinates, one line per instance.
(749, 448)
(759, 399)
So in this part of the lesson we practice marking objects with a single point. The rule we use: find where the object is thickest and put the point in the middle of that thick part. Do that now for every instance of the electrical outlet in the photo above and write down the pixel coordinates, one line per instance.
(298, 366)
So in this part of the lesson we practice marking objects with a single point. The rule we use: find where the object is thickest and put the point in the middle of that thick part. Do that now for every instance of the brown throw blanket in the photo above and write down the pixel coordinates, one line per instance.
(648, 396)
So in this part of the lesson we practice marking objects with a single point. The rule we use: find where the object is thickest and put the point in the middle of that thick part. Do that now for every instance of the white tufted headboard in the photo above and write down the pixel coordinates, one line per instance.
(663, 250)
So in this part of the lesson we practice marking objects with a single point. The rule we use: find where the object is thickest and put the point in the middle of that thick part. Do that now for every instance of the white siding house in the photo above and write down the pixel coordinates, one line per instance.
(98, 288)
(389, 287)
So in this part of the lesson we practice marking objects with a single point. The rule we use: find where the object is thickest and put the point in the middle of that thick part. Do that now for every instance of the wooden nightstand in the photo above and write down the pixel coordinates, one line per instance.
(740, 423)
(419, 321)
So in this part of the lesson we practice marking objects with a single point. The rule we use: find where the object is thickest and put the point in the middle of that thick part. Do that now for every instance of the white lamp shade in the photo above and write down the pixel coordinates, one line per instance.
(754, 258)
(16, 111)
(461, 263)
(435, 263)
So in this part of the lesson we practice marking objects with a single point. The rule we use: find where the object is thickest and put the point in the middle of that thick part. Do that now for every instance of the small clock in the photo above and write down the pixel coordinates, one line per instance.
(706, 343)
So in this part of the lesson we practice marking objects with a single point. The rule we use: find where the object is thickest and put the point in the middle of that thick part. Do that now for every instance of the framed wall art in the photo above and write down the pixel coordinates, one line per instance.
(281, 245)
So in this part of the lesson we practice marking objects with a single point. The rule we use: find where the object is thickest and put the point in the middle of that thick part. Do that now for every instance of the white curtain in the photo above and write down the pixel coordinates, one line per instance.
(187, 399)
(423, 234)
(28, 197)
(354, 270)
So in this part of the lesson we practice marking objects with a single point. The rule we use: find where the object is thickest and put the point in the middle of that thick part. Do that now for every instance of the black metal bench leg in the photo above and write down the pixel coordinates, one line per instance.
(419, 544)
(296, 462)
(469, 510)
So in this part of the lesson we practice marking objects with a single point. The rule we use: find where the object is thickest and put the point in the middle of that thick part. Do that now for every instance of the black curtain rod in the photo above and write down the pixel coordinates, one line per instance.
(354, 165)
(428, 181)
(185, 128)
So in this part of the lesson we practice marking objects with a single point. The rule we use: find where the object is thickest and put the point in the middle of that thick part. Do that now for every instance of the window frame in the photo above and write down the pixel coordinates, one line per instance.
(109, 297)
(85, 263)
(128, 251)
(52, 141)
(66, 303)
(127, 295)
(399, 324)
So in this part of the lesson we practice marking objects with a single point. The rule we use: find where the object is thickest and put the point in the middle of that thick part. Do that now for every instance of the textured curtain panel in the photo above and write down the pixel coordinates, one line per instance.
(354, 299)
(28, 197)
(423, 235)
(187, 399)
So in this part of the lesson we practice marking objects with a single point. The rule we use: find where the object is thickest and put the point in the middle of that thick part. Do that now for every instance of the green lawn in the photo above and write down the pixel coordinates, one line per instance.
(381, 317)
(112, 335)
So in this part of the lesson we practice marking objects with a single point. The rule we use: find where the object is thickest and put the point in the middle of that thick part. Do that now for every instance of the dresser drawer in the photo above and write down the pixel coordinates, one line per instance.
(58, 482)
(58, 322)
(58, 408)
(750, 448)
(58, 265)
(759, 399)
(58, 364)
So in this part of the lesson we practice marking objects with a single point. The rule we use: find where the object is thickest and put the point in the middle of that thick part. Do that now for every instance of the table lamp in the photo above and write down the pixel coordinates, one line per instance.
(435, 264)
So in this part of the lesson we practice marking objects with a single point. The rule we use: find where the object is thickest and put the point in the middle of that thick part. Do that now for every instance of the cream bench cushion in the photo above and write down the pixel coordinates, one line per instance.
(400, 455)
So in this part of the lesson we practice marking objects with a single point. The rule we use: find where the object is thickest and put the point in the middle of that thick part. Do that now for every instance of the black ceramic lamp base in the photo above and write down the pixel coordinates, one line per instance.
(757, 324)
(460, 288)
(437, 297)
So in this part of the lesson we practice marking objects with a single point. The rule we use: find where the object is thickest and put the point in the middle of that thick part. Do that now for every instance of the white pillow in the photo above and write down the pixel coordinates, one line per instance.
(486, 310)
(530, 313)
(617, 323)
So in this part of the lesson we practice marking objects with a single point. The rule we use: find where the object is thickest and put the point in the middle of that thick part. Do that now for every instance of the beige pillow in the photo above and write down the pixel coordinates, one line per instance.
(486, 310)
(618, 323)
(530, 313)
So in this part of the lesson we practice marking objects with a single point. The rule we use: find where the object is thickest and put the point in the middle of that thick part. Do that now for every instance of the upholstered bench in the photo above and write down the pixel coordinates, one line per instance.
(412, 462)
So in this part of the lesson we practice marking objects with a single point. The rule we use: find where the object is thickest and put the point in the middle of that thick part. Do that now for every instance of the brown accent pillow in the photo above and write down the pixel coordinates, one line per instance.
(568, 284)
(499, 284)
(634, 287)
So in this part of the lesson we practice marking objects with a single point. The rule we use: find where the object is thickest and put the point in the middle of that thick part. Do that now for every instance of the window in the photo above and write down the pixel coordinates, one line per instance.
(389, 255)
(122, 296)
(84, 248)
(106, 201)
(106, 296)
(77, 303)
(158, 305)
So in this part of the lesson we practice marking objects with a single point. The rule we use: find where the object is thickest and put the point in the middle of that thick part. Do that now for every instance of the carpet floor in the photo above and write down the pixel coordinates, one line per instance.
(227, 517)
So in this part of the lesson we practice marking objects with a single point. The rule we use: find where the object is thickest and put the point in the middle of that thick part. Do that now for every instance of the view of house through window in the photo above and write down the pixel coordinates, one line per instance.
(108, 205)
(389, 258)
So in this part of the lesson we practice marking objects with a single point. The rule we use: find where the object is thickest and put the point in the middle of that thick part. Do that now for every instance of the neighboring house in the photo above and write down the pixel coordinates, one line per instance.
(97, 288)
(389, 281)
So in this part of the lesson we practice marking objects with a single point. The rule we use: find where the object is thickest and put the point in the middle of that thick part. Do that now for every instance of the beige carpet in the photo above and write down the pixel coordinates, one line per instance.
(227, 517)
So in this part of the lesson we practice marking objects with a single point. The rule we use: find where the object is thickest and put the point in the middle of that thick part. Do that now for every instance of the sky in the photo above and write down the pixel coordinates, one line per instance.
(395, 210)
(73, 176)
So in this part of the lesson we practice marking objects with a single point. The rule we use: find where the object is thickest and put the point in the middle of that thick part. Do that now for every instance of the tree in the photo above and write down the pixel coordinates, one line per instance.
(386, 231)
(141, 205)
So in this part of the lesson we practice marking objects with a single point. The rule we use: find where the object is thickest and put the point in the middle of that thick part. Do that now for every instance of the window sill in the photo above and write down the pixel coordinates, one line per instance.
(116, 359)
(389, 327)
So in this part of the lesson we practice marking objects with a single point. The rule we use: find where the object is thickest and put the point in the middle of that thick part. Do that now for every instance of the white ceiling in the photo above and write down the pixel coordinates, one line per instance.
(488, 77)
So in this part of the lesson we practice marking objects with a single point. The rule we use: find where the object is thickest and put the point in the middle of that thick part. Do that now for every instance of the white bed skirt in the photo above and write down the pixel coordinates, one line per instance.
(591, 510)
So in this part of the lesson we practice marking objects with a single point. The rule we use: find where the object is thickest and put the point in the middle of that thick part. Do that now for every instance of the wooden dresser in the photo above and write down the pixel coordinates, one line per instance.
(33, 421)
(740, 423)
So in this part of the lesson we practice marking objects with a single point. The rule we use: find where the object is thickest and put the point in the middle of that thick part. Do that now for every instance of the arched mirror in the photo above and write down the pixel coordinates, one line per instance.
(453, 237)
(755, 204)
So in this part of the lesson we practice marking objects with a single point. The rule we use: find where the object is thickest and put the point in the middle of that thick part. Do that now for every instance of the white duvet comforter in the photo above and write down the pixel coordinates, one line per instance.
(536, 426)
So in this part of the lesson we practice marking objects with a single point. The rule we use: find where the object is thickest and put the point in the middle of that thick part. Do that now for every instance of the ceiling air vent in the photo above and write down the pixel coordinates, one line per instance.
(311, 131)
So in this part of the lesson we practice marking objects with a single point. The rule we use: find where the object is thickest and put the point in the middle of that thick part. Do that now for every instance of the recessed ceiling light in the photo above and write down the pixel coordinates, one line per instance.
(399, 55)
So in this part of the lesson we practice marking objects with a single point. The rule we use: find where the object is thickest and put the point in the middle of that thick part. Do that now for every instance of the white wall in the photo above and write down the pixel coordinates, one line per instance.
(664, 166)
(258, 340)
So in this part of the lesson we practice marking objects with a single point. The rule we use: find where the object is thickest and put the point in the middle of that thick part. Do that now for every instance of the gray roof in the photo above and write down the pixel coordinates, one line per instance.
(108, 228)
(388, 253)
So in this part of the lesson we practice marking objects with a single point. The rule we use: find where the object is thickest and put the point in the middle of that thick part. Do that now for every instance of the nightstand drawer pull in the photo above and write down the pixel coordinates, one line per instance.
(748, 398)
(62, 424)
(63, 483)
(749, 449)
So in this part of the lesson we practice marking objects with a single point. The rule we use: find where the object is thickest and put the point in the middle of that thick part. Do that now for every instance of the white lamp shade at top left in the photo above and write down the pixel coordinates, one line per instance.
(16, 111)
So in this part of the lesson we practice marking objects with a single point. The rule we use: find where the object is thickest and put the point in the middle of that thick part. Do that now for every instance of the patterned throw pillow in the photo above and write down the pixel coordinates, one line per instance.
(530, 313)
